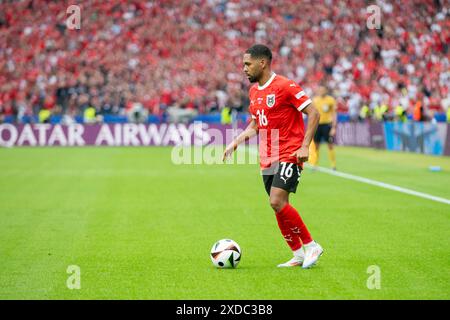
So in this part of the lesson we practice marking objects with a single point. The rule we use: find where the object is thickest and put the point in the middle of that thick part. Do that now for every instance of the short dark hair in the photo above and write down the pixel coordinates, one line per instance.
(260, 51)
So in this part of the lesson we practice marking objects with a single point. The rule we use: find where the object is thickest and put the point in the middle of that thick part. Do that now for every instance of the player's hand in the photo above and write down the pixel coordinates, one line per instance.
(301, 154)
(333, 132)
(229, 150)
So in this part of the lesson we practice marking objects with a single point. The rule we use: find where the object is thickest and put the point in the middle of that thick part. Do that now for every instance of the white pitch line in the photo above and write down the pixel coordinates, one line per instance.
(375, 183)
(382, 185)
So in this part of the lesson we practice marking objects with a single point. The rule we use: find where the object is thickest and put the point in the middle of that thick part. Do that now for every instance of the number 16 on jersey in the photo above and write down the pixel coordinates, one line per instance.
(262, 118)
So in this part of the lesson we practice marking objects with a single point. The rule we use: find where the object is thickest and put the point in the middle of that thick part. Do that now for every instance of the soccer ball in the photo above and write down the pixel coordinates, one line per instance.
(225, 253)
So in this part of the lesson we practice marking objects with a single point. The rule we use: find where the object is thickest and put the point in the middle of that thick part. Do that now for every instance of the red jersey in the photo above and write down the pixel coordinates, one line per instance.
(276, 107)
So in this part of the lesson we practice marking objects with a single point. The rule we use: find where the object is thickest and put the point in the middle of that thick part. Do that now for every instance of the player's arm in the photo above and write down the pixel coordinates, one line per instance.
(302, 154)
(249, 132)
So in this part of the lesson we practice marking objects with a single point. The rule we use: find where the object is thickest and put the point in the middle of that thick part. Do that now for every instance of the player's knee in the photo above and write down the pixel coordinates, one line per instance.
(277, 204)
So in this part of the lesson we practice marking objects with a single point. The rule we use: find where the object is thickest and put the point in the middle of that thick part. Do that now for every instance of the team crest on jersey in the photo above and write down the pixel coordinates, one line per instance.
(270, 100)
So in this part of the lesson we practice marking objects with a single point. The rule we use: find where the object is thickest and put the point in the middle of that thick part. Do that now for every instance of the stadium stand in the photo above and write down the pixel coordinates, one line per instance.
(187, 55)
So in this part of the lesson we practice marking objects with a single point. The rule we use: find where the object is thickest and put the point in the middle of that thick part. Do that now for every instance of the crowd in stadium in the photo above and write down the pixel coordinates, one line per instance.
(187, 55)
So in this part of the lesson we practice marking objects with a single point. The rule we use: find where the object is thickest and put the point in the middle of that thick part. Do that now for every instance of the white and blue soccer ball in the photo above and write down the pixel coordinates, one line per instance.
(225, 253)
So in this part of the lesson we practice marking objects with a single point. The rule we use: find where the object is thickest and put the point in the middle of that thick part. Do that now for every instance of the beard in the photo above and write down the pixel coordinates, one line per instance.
(252, 79)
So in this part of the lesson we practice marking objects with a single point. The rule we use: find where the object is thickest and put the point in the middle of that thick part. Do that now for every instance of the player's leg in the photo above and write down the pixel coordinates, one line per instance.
(317, 150)
(292, 240)
(279, 201)
(279, 198)
(313, 154)
(332, 155)
(331, 151)
(284, 182)
(314, 148)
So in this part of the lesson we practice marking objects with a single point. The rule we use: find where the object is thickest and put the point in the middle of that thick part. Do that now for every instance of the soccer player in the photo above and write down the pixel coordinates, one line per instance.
(276, 107)
(326, 131)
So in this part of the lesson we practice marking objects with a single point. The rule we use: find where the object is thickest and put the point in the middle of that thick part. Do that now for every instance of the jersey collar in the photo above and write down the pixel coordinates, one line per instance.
(265, 85)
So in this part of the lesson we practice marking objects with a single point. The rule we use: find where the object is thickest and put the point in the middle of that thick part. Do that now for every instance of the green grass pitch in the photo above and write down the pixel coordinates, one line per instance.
(140, 227)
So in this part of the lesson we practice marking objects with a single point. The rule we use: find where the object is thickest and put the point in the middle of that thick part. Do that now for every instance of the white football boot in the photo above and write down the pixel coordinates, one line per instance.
(296, 261)
(313, 251)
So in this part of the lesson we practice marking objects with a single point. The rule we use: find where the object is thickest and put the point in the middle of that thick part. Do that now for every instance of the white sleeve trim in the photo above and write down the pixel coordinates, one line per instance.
(304, 105)
(300, 94)
(253, 117)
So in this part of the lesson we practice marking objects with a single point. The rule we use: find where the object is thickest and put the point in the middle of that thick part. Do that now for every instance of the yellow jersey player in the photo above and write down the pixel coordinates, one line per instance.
(326, 131)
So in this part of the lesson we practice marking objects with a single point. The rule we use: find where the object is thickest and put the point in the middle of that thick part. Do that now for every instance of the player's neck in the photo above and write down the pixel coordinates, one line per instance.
(265, 77)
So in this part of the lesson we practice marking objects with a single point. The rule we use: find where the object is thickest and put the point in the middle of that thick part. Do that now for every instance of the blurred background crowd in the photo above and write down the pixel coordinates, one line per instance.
(150, 57)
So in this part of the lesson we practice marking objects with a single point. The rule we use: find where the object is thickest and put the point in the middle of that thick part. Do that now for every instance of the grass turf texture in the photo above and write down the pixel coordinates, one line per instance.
(140, 227)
